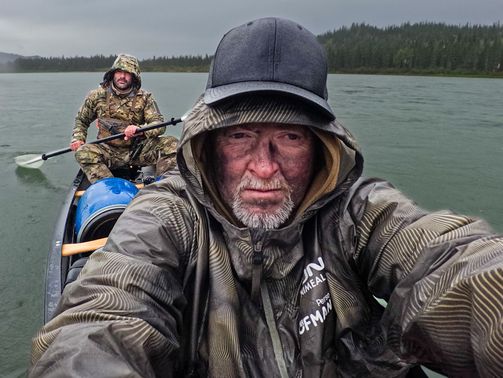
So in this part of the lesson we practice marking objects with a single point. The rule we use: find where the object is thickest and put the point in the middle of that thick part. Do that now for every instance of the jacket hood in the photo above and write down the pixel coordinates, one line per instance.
(339, 163)
(127, 63)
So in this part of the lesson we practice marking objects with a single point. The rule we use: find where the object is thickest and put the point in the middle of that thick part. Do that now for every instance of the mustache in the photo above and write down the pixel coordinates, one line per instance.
(275, 183)
(269, 220)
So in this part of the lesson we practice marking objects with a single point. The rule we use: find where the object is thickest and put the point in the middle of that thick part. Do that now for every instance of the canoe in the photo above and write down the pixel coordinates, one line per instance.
(86, 218)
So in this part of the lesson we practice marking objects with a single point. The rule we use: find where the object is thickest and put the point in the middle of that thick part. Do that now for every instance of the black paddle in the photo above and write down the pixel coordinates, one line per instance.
(35, 161)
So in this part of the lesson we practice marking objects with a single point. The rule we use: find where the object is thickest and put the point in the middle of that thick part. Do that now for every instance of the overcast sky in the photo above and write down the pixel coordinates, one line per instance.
(149, 28)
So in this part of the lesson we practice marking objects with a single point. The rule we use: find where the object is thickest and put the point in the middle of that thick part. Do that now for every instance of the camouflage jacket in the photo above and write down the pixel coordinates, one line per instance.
(139, 108)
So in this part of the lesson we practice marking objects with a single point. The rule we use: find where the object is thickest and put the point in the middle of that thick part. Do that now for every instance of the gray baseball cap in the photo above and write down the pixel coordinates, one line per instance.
(270, 55)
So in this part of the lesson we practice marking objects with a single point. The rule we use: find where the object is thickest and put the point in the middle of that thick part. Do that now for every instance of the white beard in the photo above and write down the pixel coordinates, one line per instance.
(269, 220)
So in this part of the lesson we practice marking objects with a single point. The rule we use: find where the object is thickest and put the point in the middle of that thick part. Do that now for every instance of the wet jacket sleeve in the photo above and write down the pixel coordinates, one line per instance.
(123, 315)
(85, 116)
(442, 276)
(152, 116)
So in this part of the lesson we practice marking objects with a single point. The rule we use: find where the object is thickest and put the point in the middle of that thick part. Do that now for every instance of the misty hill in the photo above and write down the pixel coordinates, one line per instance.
(423, 48)
(8, 61)
(8, 58)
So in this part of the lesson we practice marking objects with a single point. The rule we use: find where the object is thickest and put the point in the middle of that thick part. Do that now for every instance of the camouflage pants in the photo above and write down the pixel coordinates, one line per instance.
(96, 160)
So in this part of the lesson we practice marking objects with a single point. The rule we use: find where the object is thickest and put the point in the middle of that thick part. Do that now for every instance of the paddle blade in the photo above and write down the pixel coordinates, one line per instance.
(29, 161)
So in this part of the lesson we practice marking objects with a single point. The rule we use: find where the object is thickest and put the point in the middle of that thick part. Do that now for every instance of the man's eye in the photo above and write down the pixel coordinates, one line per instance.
(237, 135)
(293, 137)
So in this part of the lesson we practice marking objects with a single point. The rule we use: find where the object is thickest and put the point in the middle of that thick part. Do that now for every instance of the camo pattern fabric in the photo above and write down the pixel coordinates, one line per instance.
(97, 160)
(108, 108)
(138, 108)
(111, 126)
(127, 63)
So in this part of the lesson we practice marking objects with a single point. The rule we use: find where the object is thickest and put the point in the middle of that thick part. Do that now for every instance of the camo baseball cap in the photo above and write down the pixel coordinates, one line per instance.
(270, 55)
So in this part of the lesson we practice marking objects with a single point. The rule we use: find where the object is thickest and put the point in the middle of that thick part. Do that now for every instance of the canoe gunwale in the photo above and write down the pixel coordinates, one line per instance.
(57, 265)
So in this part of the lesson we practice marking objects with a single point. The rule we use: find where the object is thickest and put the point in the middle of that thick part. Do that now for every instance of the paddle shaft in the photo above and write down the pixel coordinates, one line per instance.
(173, 121)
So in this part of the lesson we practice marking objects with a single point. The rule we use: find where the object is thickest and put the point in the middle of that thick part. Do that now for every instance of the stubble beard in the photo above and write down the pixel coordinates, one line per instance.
(124, 85)
(264, 220)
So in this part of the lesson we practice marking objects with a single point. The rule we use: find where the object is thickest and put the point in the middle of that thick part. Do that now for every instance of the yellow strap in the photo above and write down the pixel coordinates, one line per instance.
(89, 246)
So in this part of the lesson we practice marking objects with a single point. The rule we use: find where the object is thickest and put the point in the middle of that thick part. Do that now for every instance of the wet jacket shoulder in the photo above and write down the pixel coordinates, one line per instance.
(139, 108)
(439, 272)
(141, 273)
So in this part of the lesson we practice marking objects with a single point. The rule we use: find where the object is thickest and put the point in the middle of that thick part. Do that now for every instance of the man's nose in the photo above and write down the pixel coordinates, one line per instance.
(263, 162)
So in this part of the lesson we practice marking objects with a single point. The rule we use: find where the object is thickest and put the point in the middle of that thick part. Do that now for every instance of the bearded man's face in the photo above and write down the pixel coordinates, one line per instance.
(122, 79)
(264, 171)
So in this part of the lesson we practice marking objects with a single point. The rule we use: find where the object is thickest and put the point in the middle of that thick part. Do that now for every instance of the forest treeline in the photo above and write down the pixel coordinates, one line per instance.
(103, 63)
(422, 48)
(416, 48)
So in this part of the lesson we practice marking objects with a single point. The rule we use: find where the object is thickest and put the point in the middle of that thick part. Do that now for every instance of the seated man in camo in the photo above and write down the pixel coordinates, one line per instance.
(119, 106)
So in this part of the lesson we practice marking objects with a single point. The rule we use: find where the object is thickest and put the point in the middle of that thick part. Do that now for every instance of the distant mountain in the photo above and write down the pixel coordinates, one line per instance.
(8, 58)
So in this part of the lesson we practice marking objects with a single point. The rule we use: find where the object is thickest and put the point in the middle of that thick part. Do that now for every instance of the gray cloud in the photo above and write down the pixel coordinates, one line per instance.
(178, 27)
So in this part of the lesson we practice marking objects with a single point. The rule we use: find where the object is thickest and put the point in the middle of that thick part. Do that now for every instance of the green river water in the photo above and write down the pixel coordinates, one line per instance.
(440, 140)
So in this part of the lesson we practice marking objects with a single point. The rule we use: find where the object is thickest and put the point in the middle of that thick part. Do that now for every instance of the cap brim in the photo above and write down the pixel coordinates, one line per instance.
(216, 94)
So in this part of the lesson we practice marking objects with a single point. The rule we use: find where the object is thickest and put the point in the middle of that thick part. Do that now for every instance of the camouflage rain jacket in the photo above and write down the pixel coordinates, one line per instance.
(174, 291)
(138, 107)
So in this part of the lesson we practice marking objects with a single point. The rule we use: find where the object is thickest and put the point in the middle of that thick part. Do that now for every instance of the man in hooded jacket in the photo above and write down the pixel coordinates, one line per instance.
(119, 105)
(265, 257)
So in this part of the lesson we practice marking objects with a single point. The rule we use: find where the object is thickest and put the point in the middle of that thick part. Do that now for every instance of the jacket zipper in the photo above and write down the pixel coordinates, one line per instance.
(257, 262)
(259, 288)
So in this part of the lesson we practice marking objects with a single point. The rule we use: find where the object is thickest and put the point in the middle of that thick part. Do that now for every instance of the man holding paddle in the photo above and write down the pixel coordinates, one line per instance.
(266, 255)
(119, 105)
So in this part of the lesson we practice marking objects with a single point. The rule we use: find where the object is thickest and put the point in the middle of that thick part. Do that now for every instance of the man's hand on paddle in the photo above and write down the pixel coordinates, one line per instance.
(75, 144)
(130, 132)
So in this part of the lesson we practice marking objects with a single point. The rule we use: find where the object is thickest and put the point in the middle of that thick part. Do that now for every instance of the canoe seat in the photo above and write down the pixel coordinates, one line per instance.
(75, 269)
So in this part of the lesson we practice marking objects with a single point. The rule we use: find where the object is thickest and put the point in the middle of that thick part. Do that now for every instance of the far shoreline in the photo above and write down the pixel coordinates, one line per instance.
(498, 75)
